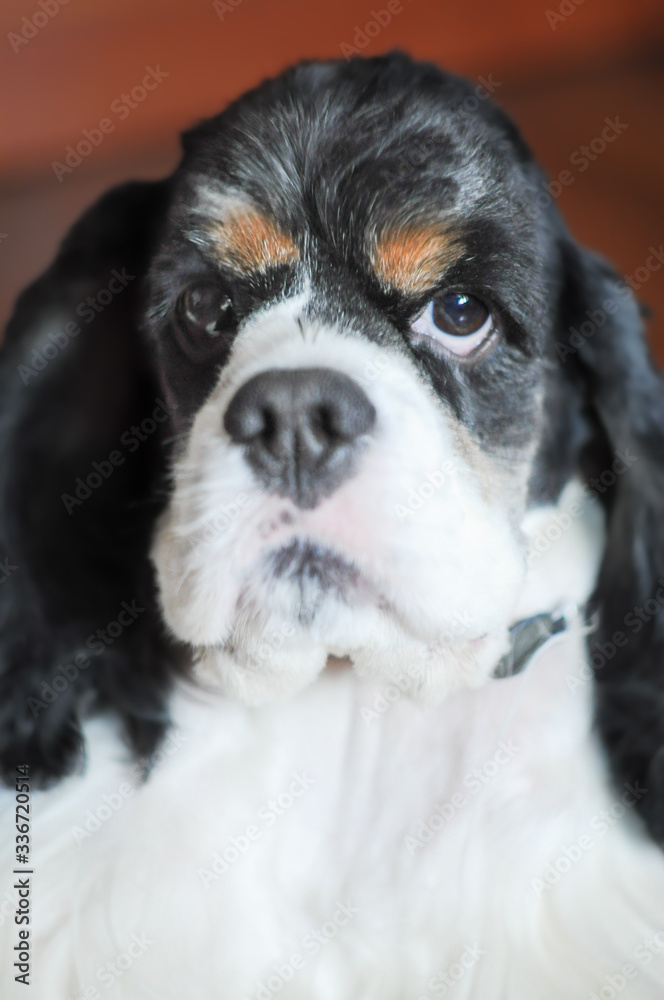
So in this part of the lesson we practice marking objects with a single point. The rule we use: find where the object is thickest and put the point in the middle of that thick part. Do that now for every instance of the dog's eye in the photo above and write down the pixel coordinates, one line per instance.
(204, 313)
(461, 322)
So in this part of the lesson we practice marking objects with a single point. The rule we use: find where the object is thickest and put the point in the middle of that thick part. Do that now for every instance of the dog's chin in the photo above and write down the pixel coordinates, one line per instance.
(424, 673)
(308, 605)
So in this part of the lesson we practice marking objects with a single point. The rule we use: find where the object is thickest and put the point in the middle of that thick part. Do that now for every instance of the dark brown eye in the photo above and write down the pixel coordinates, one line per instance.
(459, 314)
(204, 318)
(459, 321)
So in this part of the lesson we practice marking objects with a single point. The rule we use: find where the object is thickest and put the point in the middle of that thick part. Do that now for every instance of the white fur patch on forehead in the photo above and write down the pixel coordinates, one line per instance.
(239, 234)
(284, 336)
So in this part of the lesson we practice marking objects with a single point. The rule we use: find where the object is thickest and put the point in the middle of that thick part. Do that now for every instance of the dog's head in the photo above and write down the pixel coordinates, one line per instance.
(349, 307)
(357, 313)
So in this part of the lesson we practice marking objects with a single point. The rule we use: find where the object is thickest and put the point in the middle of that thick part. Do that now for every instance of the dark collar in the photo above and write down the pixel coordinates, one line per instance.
(529, 635)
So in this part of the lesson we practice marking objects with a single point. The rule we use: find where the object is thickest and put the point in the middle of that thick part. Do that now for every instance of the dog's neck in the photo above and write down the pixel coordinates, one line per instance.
(566, 543)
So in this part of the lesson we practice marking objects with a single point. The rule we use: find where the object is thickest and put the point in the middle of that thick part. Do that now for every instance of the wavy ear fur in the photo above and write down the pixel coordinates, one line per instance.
(625, 394)
(70, 396)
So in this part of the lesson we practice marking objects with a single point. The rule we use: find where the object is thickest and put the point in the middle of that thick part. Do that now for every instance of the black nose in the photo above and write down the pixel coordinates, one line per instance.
(300, 429)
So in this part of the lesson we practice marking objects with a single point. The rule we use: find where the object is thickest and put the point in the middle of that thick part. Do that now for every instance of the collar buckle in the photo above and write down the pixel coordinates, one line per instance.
(530, 634)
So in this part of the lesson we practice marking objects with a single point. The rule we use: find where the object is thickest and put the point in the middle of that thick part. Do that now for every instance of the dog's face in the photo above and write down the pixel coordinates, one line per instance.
(381, 351)
(351, 308)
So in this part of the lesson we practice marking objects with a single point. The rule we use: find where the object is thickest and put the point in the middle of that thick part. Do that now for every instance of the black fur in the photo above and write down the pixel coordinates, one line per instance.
(626, 395)
(332, 150)
(72, 570)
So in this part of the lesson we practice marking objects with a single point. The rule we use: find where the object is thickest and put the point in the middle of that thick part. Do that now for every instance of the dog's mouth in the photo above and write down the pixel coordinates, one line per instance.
(303, 560)
(317, 572)
(303, 600)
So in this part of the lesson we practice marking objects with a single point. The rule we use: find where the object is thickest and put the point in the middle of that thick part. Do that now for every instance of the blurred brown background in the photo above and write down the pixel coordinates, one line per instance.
(559, 68)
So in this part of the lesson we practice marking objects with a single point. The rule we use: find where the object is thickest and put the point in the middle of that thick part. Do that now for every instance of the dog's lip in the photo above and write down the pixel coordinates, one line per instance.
(305, 560)
(301, 557)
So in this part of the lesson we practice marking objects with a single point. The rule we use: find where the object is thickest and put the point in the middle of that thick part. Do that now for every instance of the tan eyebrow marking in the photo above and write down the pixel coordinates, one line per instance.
(412, 258)
(249, 241)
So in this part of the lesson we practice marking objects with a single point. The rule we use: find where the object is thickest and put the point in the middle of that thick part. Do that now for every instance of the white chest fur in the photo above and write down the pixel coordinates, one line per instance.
(335, 847)
(351, 844)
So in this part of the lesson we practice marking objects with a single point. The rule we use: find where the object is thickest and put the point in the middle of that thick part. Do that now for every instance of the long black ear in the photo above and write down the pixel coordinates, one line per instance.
(82, 433)
(604, 339)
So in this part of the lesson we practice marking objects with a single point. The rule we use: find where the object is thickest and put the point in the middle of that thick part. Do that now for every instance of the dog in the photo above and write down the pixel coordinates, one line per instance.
(332, 654)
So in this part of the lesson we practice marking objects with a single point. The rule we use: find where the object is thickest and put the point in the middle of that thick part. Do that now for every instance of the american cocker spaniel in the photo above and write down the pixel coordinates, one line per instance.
(331, 633)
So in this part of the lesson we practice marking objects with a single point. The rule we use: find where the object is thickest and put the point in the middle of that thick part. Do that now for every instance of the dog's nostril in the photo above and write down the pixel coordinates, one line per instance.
(245, 422)
(349, 421)
(323, 418)
(298, 427)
